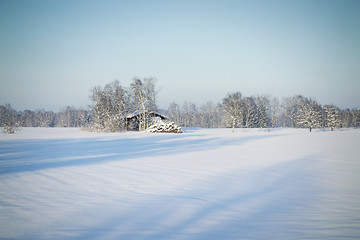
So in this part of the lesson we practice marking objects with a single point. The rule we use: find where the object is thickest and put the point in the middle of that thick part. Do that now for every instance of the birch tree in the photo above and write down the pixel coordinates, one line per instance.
(139, 98)
(110, 106)
(144, 93)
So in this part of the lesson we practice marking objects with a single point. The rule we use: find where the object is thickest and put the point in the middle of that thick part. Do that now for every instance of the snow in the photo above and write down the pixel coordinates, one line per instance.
(64, 183)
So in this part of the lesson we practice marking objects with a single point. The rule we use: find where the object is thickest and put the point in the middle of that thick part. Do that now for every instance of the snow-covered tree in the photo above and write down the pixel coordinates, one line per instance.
(208, 115)
(309, 114)
(144, 94)
(275, 112)
(290, 107)
(151, 93)
(219, 116)
(139, 98)
(28, 119)
(356, 118)
(72, 117)
(233, 108)
(9, 119)
(110, 106)
(332, 117)
(347, 118)
(190, 115)
(262, 103)
(174, 113)
(44, 118)
(65, 118)
(250, 109)
(194, 115)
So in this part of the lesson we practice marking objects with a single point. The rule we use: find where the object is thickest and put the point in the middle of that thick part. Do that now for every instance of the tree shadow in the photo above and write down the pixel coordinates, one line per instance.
(277, 205)
(31, 155)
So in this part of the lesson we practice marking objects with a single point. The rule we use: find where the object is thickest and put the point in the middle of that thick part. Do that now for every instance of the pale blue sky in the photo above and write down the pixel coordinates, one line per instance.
(53, 52)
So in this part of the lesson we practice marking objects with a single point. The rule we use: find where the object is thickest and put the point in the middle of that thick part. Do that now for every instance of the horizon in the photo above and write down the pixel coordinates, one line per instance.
(53, 53)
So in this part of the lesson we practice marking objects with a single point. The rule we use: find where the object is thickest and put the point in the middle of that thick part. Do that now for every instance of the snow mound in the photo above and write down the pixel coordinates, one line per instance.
(164, 127)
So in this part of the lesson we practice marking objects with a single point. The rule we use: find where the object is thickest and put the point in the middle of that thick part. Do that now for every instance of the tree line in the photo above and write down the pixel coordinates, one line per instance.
(112, 105)
(68, 117)
(236, 111)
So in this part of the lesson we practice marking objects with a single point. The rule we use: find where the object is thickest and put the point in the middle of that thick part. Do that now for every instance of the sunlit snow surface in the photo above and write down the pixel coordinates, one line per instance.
(204, 184)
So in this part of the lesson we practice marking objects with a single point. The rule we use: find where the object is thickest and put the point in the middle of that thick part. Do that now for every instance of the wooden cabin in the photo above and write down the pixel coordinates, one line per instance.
(132, 120)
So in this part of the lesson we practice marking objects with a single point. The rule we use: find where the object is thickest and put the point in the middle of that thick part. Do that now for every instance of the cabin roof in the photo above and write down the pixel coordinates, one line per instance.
(151, 113)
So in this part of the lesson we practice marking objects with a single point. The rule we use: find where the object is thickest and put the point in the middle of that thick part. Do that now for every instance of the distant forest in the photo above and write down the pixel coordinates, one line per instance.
(113, 103)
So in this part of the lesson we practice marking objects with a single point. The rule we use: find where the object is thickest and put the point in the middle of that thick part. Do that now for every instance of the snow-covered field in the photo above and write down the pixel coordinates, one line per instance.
(204, 184)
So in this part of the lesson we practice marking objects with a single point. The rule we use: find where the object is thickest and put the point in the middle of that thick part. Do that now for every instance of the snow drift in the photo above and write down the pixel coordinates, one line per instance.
(204, 184)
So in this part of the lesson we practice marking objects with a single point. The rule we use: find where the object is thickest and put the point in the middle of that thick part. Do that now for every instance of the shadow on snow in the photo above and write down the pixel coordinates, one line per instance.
(32, 155)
